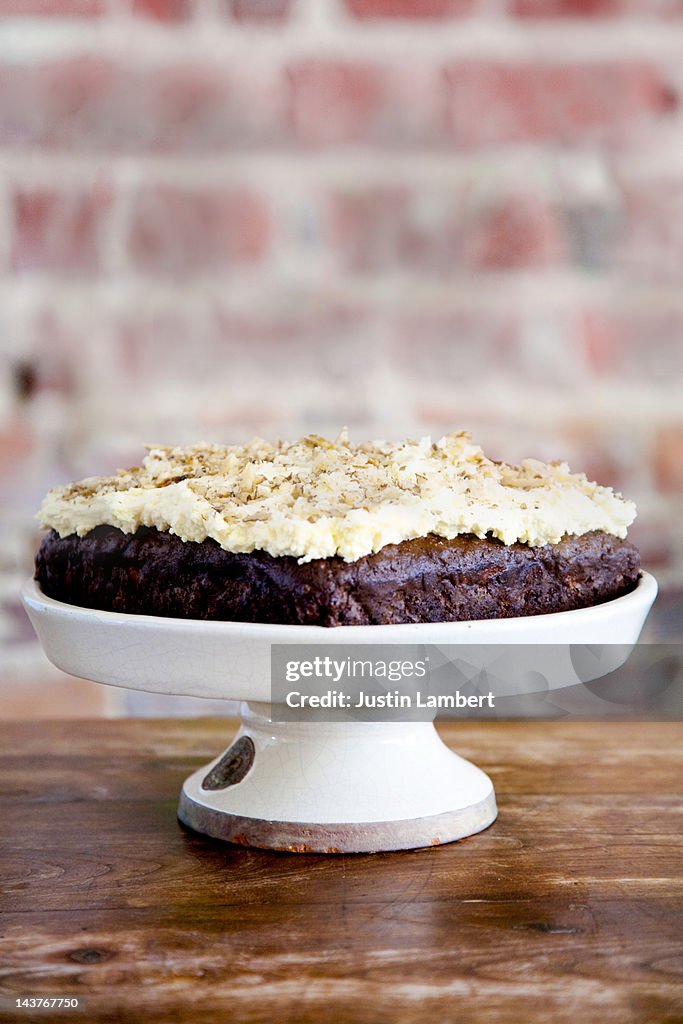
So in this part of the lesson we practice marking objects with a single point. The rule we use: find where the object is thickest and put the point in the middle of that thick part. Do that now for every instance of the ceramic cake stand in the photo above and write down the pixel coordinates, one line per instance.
(332, 787)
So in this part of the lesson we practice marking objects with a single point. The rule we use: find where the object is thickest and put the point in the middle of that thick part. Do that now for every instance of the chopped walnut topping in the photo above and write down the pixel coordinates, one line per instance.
(318, 498)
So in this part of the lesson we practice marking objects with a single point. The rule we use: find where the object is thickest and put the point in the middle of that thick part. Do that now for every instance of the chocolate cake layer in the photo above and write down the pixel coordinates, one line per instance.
(429, 579)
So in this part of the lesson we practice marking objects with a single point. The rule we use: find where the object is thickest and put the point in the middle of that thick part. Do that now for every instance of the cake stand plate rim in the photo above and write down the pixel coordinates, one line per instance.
(643, 593)
(232, 660)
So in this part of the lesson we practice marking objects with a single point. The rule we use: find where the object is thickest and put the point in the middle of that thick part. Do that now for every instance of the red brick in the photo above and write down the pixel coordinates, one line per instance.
(53, 8)
(641, 344)
(191, 108)
(18, 445)
(605, 467)
(304, 329)
(185, 106)
(520, 232)
(655, 538)
(297, 340)
(570, 8)
(508, 344)
(90, 104)
(259, 10)
(163, 10)
(596, 8)
(61, 102)
(652, 244)
(59, 230)
(668, 459)
(333, 102)
(318, 349)
(394, 228)
(610, 455)
(601, 341)
(371, 9)
(154, 347)
(183, 231)
(495, 102)
(454, 344)
(594, 228)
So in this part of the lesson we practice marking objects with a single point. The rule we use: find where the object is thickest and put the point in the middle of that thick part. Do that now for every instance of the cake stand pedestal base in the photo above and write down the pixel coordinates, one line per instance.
(337, 787)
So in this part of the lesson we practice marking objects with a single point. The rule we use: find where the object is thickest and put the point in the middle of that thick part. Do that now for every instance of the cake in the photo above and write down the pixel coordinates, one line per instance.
(332, 533)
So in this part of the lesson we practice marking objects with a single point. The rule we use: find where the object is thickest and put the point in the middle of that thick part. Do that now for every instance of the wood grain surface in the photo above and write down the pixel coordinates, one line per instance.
(569, 908)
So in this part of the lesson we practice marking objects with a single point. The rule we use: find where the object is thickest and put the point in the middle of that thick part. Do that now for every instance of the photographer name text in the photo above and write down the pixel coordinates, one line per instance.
(392, 699)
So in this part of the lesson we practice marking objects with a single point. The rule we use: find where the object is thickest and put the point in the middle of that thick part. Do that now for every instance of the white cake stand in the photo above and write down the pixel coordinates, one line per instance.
(332, 787)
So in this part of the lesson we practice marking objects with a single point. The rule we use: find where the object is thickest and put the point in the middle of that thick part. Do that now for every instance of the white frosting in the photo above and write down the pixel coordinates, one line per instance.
(315, 498)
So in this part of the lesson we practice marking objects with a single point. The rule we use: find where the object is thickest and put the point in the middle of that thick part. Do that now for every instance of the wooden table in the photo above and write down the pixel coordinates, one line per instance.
(567, 909)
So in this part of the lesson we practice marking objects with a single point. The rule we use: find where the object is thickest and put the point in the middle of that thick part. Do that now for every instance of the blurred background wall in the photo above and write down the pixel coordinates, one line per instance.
(227, 217)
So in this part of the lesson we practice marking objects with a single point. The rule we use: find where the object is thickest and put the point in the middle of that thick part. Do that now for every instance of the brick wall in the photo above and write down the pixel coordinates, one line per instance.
(223, 217)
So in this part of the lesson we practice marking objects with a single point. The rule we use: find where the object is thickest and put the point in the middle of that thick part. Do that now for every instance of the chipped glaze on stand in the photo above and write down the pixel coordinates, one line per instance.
(312, 786)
